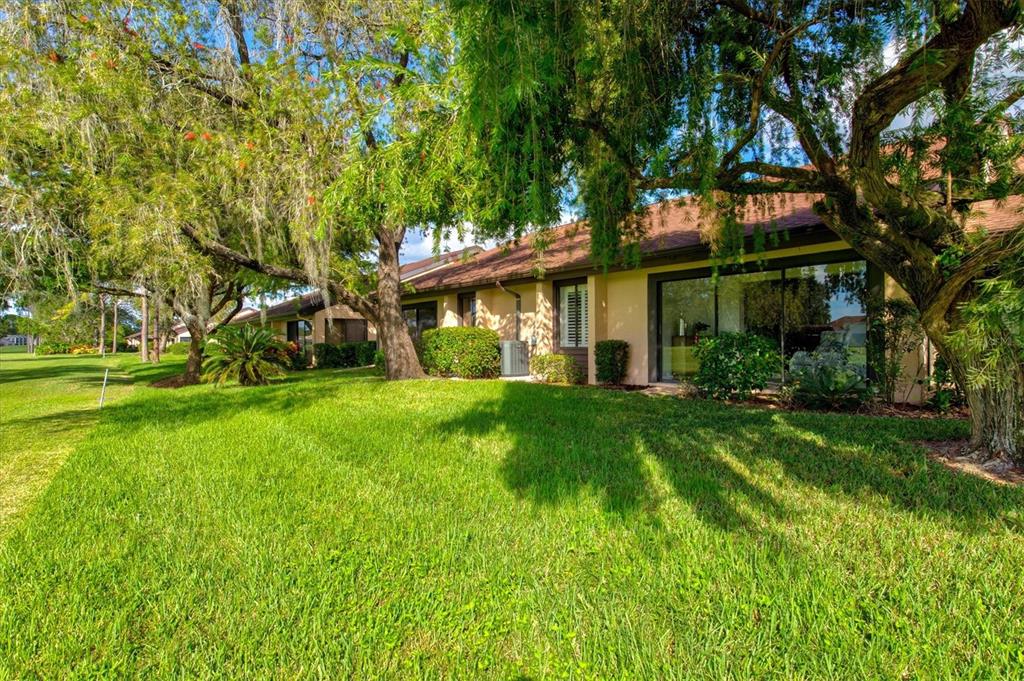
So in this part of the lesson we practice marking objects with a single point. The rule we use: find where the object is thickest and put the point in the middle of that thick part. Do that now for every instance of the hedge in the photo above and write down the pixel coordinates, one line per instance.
(463, 351)
(178, 348)
(549, 368)
(735, 364)
(344, 355)
(52, 348)
(611, 358)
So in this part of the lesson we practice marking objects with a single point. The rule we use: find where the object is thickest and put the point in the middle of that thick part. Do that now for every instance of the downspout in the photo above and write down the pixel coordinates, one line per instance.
(519, 308)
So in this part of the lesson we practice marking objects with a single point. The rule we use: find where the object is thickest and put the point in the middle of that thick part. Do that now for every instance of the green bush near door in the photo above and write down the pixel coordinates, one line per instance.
(611, 358)
(550, 368)
(734, 364)
(344, 355)
(463, 351)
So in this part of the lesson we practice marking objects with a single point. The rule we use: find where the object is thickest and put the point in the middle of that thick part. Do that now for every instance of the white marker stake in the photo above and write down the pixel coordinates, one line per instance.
(103, 390)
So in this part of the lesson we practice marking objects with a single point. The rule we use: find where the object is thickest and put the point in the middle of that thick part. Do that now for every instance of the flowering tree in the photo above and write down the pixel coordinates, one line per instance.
(299, 141)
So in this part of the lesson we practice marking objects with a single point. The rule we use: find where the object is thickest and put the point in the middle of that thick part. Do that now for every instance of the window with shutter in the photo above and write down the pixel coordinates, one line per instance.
(572, 316)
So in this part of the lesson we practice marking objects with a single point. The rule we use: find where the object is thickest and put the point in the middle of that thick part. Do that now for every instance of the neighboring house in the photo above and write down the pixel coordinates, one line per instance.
(180, 334)
(806, 282)
(306, 321)
(14, 339)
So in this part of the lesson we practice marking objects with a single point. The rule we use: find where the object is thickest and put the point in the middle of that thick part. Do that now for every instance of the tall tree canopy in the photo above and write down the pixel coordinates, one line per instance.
(299, 140)
(903, 117)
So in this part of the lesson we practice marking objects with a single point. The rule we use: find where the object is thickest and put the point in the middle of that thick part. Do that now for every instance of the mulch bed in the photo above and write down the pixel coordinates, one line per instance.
(947, 453)
(171, 382)
(775, 402)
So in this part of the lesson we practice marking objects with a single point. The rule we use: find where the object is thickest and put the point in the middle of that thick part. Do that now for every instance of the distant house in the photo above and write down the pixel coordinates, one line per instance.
(14, 339)
(180, 335)
(306, 320)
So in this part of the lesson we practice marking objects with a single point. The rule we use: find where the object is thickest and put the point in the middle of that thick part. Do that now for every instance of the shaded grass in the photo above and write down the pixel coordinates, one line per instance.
(47, 405)
(335, 525)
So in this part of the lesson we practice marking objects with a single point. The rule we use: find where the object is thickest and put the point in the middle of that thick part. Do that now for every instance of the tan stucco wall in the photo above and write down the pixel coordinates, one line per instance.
(915, 363)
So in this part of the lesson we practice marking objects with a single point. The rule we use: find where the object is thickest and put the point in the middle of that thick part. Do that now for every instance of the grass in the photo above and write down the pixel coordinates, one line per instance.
(47, 405)
(336, 525)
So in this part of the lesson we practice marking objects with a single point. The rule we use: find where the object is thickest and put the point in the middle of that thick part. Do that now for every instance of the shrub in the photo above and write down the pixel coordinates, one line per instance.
(946, 393)
(177, 348)
(549, 368)
(84, 349)
(464, 351)
(734, 364)
(831, 388)
(294, 356)
(825, 379)
(380, 362)
(611, 358)
(344, 355)
(247, 353)
(366, 351)
(52, 348)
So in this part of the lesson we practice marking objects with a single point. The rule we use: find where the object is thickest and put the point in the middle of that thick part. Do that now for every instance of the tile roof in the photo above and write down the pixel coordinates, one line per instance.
(300, 306)
(669, 226)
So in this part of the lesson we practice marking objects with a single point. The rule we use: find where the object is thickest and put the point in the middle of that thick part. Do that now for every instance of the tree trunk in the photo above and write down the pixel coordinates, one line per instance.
(997, 408)
(144, 338)
(156, 333)
(103, 327)
(113, 343)
(194, 363)
(392, 331)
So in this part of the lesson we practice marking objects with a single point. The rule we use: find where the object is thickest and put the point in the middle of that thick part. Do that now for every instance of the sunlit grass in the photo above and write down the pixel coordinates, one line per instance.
(336, 525)
(47, 405)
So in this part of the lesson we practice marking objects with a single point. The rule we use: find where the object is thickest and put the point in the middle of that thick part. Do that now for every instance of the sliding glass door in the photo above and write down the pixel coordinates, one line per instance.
(801, 309)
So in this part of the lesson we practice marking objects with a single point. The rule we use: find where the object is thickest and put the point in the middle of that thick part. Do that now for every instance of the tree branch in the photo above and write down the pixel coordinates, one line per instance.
(340, 292)
(238, 30)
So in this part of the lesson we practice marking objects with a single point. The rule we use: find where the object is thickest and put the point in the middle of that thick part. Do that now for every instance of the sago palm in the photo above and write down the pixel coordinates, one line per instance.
(247, 353)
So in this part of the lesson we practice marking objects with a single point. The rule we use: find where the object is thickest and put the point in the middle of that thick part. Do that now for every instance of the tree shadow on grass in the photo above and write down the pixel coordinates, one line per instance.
(83, 370)
(185, 407)
(712, 456)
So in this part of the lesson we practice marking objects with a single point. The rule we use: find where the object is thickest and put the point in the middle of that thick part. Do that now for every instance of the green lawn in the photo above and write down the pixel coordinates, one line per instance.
(47, 405)
(334, 525)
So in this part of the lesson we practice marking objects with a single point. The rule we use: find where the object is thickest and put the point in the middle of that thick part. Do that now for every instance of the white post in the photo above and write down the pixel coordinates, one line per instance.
(103, 390)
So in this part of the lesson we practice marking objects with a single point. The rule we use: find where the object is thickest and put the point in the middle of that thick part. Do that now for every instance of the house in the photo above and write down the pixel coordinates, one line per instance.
(804, 285)
(179, 334)
(306, 321)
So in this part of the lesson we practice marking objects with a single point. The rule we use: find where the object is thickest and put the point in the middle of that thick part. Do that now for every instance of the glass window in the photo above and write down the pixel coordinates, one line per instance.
(299, 332)
(687, 313)
(467, 309)
(419, 318)
(800, 309)
(572, 316)
(826, 309)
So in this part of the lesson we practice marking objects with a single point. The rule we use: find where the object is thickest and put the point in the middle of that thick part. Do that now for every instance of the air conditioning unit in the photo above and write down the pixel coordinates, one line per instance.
(514, 358)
